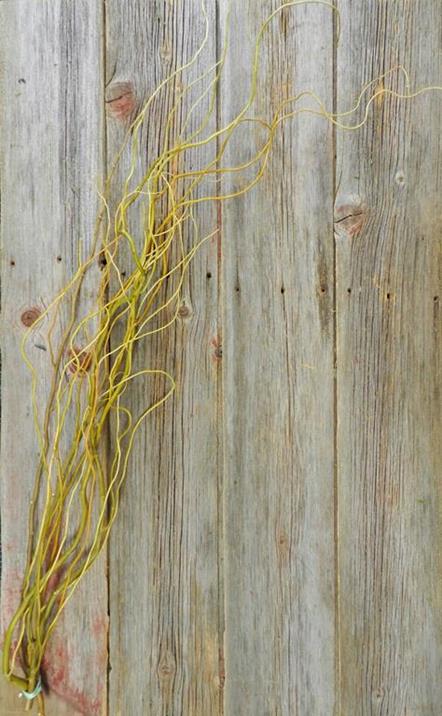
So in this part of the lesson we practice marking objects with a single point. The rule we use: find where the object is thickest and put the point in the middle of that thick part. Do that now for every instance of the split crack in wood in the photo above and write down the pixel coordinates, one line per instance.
(350, 216)
(354, 212)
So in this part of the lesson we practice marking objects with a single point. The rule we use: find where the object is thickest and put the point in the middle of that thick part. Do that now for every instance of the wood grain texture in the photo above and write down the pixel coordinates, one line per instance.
(165, 648)
(51, 160)
(389, 370)
(278, 380)
(278, 549)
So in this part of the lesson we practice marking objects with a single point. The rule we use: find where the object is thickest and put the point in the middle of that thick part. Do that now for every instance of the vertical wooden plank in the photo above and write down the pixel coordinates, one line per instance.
(389, 371)
(278, 378)
(164, 573)
(51, 162)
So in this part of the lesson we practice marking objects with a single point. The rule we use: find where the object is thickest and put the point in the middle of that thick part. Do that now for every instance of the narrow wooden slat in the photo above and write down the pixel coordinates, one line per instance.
(389, 370)
(164, 556)
(278, 379)
(51, 163)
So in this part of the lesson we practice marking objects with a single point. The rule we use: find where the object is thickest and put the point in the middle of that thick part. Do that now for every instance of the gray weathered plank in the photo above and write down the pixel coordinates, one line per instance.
(51, 162)
(389, 370)
(278, 380)
(165, 646)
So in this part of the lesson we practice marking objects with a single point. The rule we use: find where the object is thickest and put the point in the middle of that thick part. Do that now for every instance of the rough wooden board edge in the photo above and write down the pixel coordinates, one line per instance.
(169, 502)
(389, 329)
(51, 74)
(278, 378)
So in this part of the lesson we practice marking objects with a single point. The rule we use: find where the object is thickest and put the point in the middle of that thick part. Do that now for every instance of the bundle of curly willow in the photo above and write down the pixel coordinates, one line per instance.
(77, 491)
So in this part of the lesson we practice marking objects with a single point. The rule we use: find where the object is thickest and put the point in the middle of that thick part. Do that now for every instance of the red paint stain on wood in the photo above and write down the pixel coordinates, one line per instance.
(52, 584)
(10, 596)
(100, 626)
(82, 703)
(54, 668)
(58, 677)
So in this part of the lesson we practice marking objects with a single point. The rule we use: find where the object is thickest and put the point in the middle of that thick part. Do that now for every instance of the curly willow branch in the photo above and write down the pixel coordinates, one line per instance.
(88, 387)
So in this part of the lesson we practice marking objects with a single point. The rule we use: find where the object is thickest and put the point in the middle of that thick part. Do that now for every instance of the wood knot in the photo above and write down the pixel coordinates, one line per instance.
(350, 217)
(282, 545)
(184, 310)
(121, 101)
(79, 361)
(30, 316)
(166, 668)
(218, 349)
(166, 53)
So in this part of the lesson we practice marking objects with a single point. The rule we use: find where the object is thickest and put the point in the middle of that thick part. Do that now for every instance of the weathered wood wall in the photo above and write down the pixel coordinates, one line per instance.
(278, 549)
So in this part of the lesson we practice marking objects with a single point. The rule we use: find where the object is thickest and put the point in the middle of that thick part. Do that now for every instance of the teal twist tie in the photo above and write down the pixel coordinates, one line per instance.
(31, 695)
